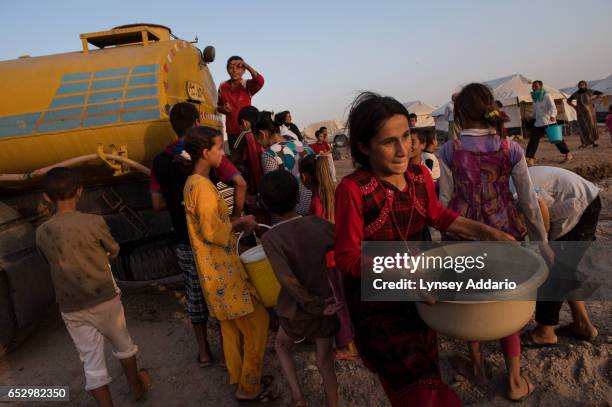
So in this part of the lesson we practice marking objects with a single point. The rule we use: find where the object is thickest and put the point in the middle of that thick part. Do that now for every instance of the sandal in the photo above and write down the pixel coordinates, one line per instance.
(265, 396)
(523, 397)
(567, 331)
(527, 341)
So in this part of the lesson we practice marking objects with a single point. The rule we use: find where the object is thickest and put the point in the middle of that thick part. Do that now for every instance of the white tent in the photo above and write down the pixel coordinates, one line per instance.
(334, 127)
(514, 93)
(571, 89)
(605, 87)
(423, 112)
(440, 118)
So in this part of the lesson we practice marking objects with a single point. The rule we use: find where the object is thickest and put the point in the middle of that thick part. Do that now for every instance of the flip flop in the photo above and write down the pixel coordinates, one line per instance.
(265, 396)
(527, 341)
(524, 397)
(567, 331)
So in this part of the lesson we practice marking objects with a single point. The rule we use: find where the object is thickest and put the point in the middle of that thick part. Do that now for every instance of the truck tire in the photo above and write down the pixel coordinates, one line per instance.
(146, 263)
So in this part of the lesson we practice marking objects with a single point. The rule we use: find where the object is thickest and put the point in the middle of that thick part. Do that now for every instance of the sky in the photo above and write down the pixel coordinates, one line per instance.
(316, 56)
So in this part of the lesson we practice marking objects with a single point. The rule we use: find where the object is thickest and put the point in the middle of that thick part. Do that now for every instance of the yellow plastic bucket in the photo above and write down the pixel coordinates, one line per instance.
(261, 274)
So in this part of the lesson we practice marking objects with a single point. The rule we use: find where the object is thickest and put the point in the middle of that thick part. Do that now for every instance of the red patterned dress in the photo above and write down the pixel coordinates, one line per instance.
(392, 339)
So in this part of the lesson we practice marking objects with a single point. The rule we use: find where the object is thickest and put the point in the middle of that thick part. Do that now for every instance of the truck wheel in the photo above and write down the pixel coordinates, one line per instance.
(146, 264)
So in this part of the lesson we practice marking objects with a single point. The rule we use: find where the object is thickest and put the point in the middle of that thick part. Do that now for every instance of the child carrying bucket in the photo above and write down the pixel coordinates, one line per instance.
(316, 176)
(296, 248)
(476, 169)
(230, 296)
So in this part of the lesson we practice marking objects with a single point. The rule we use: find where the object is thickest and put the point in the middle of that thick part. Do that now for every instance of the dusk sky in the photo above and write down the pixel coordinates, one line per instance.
(317, 55)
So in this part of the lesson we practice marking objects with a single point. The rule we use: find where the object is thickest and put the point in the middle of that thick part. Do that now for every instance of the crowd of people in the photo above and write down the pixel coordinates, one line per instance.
(478, 186)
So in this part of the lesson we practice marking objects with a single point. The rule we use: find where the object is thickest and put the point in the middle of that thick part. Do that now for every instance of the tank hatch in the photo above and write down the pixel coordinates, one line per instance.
(126, 35)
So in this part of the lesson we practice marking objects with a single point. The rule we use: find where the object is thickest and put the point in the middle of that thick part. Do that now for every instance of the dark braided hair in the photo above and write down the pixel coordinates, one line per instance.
(199, 139)
(476, 103)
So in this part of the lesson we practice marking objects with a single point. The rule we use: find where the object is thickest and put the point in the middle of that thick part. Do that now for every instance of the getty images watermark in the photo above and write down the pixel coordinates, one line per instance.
(484, 271)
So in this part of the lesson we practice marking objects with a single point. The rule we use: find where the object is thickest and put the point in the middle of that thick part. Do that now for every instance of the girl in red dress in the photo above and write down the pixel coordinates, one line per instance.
(385, 199)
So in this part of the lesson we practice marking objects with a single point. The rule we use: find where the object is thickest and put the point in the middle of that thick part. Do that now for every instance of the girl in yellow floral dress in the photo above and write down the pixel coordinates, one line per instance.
(229, 295)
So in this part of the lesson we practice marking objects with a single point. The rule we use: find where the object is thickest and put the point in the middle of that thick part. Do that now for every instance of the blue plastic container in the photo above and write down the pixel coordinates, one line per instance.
(554, 132)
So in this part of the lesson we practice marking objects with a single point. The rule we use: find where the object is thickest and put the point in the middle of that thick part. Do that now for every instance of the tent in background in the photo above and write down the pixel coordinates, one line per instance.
(571, 89)
(603, 104)
(603, 85)
(440, 118)
(423, 112)
(334, 127)
(514, 93)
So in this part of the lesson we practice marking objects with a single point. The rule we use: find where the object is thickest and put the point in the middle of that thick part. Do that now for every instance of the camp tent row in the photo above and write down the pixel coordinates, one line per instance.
(423, 112)
(604, 86)
(334, 127)
(514, 93)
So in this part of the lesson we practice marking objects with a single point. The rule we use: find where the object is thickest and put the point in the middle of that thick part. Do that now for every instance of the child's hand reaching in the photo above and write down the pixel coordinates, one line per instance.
(246, 224)
(490, 233)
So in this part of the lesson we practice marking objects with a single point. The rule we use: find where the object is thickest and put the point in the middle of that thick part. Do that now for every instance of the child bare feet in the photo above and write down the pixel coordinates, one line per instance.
(144, 384)
(465, 368)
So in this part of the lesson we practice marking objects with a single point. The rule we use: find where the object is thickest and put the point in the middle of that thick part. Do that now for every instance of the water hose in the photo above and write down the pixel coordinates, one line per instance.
(71, 162)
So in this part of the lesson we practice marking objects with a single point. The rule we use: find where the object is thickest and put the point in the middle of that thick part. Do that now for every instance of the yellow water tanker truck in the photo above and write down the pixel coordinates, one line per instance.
(103, 110)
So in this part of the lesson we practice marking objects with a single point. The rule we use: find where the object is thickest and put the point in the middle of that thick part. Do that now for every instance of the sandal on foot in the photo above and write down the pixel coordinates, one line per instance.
(568, 331)
(527, 341)
(265, 396)
(523, 397)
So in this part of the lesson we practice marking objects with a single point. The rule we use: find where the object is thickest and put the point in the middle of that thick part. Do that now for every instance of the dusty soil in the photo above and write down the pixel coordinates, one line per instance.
(573, 373)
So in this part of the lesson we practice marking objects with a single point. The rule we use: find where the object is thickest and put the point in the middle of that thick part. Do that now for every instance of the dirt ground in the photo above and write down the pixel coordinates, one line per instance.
(573, 373)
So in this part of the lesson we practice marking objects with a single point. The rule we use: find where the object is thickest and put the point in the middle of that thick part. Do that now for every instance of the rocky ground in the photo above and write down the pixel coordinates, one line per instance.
(571, 374)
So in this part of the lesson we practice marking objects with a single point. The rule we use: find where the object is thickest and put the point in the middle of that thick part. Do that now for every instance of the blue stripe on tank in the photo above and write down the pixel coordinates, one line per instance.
(18, 125)
(137, 104)
(105, 108)
(101, 120)
(58, 126)
(78, 87)
(140, 92)
(63, 113)
(71, 77)
(68, 101)
(145, 68)
(108, 84)
(143, 80)
(105, 96)
(112, 72)
(140, 115)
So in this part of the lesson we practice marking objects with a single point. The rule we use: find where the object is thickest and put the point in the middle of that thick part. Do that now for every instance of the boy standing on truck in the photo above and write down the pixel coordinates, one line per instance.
(77, 247)
(236, 93)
